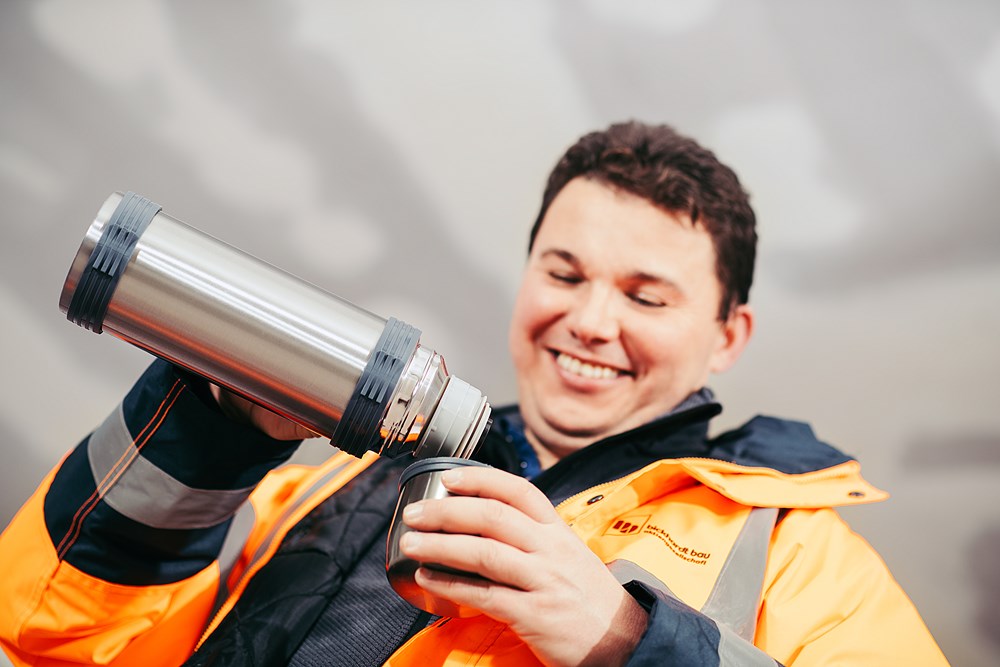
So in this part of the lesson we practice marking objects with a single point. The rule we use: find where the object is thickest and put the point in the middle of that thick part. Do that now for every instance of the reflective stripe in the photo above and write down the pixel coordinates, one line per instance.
(734, 652)
(144, 493)
(232, 547)
(625, 571)
(735, 599)
(236, 537)
(279, 528)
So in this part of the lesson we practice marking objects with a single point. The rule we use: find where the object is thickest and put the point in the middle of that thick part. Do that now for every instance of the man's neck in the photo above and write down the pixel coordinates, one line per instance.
(550, 453)
(546, 457)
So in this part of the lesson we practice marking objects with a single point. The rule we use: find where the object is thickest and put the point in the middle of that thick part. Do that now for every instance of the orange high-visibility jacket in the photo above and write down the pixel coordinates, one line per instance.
(686, 534)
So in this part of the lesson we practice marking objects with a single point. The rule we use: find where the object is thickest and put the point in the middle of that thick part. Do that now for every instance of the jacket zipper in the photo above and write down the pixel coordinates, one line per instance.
(596, 489)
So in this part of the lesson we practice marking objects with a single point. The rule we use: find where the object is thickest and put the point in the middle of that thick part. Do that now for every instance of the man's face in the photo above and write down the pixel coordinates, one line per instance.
(616, 320)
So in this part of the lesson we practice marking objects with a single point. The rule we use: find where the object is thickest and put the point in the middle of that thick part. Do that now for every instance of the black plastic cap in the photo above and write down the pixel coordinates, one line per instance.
(359, 428)
(108, 260)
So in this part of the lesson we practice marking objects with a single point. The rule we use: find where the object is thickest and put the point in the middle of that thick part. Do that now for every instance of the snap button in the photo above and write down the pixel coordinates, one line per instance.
(595, 499)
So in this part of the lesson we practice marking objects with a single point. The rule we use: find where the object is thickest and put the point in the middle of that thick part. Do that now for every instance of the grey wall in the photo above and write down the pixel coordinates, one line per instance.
(394, 153)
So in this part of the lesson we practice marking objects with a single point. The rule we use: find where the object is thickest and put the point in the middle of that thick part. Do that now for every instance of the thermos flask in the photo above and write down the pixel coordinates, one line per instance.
(342, 372)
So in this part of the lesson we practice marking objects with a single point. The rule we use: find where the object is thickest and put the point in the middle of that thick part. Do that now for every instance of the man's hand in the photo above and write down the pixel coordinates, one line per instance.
(247, 412)
(541, 579)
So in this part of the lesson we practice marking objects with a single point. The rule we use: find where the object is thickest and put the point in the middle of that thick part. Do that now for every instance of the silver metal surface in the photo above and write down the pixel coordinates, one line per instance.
(400, 569)
(237, 320)
(417, 395)
(86, 248)
(457, 423)
(271, 337)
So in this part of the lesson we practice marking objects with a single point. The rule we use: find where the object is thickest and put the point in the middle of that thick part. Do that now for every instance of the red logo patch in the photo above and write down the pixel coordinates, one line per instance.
(627, 526)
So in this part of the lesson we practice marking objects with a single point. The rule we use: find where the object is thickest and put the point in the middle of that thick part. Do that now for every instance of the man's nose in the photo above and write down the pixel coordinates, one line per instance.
(592, 319)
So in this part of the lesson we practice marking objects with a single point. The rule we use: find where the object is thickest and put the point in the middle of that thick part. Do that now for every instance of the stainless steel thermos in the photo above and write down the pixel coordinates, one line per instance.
(342, 372)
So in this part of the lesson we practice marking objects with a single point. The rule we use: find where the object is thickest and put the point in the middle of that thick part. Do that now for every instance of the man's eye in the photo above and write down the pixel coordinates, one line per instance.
(568, 278)
(647, 300)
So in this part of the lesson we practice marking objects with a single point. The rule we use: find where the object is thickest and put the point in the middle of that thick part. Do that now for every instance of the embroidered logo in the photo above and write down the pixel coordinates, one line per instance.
(684, 552)
(627, 526)
(638, 525)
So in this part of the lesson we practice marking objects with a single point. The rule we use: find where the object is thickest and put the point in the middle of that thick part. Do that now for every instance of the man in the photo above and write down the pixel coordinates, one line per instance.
(637, 540)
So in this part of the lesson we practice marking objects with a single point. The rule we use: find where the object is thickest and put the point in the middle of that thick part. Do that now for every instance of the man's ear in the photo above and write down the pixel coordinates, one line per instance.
(734, 336)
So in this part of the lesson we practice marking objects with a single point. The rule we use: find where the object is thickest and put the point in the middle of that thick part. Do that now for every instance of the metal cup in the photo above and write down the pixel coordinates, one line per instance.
(421, 481)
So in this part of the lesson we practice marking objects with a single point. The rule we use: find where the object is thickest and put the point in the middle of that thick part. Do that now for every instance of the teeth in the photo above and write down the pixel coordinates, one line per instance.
(583, 369)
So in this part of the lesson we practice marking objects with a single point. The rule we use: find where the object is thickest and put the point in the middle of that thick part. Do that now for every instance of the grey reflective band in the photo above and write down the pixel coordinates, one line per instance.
(735, 599)
(108, 260)
(626, 571)
(243, 525)
(146, 494)
(279, 527)
(735, 652)
(236, 539)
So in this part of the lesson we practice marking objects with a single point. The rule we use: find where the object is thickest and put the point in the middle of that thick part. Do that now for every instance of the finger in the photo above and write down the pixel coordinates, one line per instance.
(471, 515)
(276, 426)
(503, 486)
(481, 556)
(493, 599)
(245, 411)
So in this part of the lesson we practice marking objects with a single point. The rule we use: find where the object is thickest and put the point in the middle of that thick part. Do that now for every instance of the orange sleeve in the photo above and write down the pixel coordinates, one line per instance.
(53, 614)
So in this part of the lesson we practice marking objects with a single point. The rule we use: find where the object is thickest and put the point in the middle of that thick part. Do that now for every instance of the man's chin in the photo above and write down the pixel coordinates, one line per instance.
(585, 428)
(569, 425)
(576, 430)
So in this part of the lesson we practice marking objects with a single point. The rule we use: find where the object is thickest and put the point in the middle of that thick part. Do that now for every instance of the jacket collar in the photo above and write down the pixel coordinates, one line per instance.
(766, 445)
(681, 433)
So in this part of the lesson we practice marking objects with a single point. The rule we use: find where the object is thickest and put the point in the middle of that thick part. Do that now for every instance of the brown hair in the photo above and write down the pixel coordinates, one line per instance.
(678, 175)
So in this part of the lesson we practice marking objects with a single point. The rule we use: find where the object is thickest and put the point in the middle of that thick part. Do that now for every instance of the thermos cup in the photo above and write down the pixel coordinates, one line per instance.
(420, 481)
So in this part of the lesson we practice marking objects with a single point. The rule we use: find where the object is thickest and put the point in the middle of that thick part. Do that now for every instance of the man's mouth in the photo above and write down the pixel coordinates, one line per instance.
(586, 369)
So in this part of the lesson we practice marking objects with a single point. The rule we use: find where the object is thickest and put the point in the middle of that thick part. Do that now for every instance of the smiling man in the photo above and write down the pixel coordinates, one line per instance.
(618, 317)
(634, 294)
(610, 529)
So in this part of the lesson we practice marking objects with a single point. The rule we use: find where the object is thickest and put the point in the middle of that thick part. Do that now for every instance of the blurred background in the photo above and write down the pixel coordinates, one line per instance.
(395, 152)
